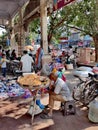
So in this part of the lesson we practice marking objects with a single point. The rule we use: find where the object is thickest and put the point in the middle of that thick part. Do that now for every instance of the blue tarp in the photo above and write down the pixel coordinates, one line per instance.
(87, 38)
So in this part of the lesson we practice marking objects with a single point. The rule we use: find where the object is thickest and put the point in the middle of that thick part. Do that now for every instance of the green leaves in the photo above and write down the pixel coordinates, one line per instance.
(82, 14)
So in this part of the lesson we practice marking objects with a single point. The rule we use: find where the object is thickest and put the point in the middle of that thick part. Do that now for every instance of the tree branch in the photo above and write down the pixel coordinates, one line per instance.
(78, 29)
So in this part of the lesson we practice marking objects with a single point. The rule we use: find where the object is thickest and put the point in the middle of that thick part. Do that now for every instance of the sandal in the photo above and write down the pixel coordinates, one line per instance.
(46, 116)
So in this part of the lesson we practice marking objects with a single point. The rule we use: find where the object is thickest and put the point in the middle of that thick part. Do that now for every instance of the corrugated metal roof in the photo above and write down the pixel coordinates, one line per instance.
(8, 8)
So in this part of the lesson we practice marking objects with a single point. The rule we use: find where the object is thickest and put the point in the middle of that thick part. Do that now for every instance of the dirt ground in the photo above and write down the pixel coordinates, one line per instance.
(13, 115)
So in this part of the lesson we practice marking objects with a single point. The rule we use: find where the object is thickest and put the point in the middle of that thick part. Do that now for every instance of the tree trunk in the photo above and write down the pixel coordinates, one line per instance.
(49, 37)
(95, 38)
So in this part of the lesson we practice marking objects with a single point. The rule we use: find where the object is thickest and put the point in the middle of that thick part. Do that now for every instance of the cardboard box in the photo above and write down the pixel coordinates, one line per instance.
(69, 66)
(92, 58)
(84, 55)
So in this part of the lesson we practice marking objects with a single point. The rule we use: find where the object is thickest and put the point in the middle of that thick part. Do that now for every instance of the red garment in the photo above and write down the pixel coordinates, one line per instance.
(0, 54)
(63, 77)
(37, 55)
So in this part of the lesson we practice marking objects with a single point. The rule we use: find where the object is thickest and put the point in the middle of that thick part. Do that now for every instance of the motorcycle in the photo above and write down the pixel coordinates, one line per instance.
(13, 66)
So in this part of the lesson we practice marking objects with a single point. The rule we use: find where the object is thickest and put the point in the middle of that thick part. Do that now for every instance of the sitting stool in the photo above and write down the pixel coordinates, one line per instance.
(68, 107)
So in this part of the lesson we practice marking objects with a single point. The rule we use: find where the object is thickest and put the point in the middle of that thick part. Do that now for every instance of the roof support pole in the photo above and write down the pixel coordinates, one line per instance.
(43, 17)
(20, 42)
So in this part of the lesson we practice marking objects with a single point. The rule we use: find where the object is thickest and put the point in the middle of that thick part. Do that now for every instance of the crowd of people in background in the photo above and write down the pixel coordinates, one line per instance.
(27, 62)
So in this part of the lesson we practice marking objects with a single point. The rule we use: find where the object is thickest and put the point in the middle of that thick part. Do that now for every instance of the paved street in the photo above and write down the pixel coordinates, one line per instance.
(13, 115)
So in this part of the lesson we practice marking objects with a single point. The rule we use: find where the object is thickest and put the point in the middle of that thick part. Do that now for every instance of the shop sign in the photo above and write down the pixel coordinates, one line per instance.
(57, 4)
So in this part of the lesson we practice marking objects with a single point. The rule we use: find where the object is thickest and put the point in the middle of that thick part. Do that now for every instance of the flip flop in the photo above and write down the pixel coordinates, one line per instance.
(46, 116)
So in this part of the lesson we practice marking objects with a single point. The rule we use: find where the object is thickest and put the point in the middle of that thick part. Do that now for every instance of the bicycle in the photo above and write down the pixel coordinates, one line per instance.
(86, 90)
(91, 91)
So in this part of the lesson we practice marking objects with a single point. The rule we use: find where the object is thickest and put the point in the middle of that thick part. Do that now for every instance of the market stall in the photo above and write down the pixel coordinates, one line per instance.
(35, 84)
(29, 85)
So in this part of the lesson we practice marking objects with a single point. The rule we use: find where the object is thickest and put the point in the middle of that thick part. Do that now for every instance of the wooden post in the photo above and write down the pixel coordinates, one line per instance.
(20, 42)
(43, 17)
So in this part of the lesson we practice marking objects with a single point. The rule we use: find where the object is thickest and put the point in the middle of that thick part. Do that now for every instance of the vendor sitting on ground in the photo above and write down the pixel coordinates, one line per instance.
(59, 91)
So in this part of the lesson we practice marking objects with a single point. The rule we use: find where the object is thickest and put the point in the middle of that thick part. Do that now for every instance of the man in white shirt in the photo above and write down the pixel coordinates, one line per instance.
(26, 62)
(59, 91)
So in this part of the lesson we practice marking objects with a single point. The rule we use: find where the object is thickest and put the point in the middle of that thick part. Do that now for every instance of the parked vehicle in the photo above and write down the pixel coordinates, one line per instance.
(13, 66)
(87, 90)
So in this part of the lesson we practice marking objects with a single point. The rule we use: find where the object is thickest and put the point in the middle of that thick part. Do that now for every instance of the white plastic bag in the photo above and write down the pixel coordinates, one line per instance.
(46, 70)
(84, 68)
(82, 74)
